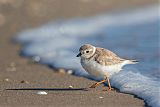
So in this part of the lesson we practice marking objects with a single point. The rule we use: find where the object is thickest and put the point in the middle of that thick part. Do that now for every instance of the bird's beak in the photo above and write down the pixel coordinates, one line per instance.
(79, 55)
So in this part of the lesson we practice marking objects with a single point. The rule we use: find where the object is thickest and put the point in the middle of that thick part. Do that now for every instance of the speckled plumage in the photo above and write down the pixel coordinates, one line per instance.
(106, 57)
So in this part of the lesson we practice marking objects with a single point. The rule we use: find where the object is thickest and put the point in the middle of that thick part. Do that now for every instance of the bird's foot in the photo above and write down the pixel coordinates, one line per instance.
(108, 89)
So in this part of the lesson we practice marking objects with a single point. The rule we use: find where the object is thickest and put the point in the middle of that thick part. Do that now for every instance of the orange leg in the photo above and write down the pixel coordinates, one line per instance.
(98, 83)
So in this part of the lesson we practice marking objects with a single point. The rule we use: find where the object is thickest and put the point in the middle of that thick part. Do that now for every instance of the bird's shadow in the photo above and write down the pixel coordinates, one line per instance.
(50, 89)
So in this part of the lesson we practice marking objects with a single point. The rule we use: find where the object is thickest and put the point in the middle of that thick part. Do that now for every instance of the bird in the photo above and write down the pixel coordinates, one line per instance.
(101, 62)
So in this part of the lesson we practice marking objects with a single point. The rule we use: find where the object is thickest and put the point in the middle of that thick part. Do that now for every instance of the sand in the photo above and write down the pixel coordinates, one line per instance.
(20, 79)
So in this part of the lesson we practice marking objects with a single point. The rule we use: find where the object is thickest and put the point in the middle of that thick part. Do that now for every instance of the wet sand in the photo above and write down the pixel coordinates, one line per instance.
(20, 79)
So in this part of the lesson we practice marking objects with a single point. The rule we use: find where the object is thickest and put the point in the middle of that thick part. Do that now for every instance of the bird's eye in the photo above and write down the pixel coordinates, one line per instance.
(87, 51)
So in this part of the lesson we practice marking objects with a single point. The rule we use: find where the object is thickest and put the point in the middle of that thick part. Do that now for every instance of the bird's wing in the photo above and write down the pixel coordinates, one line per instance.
(106, 57)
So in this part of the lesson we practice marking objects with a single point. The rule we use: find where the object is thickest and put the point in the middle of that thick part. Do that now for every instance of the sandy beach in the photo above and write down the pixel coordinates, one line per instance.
(21, 79)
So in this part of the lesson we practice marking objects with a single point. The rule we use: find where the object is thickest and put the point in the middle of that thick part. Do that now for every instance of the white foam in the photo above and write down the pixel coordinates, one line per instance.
(130, 33)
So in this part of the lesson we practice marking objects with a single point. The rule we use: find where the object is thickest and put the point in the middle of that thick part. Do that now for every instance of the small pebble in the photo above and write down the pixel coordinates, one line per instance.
(24, 82)
(42, 93)
(100, 97)
(69, 72)
(70, 86)
(62, 71)
(6, 79)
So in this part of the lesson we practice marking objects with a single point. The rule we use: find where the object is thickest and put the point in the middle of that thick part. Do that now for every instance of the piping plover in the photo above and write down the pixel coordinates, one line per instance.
(101, 62)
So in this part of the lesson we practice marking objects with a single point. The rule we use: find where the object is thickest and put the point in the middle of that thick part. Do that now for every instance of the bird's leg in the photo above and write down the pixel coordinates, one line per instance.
(109, 84)
(97, 83)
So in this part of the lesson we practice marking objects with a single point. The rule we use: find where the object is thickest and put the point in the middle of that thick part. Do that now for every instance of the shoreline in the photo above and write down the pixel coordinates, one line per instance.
(19, 73)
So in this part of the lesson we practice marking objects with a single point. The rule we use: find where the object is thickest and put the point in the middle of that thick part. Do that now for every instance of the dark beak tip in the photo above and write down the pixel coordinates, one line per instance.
(78, 55)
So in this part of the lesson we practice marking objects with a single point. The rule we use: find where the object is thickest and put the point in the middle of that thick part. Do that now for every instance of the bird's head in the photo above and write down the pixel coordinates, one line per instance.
(86, 51)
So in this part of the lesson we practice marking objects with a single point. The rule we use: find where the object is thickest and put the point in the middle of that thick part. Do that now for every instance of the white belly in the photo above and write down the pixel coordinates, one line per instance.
(94, 68)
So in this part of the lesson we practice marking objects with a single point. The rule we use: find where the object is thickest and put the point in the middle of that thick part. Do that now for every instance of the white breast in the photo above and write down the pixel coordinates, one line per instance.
(94, 68)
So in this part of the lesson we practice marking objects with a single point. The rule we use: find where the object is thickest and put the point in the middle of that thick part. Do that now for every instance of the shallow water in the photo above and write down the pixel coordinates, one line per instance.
(132, 34)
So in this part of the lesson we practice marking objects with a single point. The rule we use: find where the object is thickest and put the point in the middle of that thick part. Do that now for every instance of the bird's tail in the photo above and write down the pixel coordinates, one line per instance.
(132, 61)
